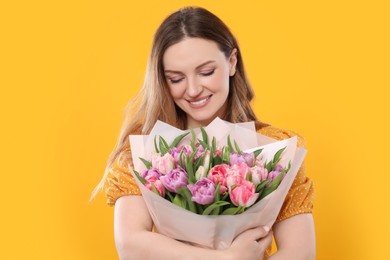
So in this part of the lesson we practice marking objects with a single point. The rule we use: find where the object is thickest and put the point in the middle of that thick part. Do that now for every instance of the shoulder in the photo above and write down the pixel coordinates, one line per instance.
(280, 133)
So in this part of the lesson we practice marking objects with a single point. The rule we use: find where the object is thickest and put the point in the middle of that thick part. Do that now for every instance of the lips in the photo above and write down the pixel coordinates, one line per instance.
(199, 102)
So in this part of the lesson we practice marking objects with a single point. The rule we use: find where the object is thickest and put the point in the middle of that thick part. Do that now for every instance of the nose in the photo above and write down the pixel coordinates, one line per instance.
(194, 88)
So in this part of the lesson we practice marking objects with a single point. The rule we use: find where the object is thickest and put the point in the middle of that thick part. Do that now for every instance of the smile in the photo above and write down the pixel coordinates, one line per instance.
(199, 103)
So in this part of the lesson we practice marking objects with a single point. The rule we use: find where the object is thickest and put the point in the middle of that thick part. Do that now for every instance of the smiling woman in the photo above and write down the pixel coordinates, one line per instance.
(195, 73)
(198, 79)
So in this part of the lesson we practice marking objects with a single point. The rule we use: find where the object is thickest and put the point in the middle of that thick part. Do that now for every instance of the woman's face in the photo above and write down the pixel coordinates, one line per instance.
(197, 74)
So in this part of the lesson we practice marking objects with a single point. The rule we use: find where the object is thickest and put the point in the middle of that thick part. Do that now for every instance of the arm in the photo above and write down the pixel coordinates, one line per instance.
(295, 237)
(135, 240)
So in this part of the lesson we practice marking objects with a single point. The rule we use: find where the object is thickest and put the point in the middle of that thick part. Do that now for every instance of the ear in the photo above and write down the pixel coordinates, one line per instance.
(233, 62)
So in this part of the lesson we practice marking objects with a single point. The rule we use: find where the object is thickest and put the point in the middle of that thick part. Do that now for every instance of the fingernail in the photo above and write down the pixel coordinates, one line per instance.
(266, 228)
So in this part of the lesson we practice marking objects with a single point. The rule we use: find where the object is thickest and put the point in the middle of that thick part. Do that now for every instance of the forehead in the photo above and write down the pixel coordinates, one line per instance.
(190, 52)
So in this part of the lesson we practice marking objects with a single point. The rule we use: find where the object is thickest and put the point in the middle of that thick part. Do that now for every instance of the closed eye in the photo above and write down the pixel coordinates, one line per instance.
(175, 81)
(209, 73)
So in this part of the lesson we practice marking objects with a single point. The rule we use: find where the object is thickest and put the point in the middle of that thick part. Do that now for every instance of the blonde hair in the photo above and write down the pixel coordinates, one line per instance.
(154, 101)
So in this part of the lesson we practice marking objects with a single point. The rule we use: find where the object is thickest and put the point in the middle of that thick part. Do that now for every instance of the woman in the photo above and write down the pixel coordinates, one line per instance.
(195, 73)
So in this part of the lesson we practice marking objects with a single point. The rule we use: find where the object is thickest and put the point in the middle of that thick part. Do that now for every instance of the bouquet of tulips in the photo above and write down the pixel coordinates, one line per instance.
(201, 187)
(207, 179)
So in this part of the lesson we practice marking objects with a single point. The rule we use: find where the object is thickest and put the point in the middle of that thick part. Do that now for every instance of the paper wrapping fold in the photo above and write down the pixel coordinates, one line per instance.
(216, 231)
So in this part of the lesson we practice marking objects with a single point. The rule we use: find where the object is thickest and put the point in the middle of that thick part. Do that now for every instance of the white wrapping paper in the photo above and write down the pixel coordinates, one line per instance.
(216, 232)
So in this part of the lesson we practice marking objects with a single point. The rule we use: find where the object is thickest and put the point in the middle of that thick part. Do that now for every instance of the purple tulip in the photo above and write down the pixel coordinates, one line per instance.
(147, 174)
(235, 158)
(175, 179)
(278, 167)
(202, 191)
(200, 151)
(175, 152)
(247, 158)
(273, 176)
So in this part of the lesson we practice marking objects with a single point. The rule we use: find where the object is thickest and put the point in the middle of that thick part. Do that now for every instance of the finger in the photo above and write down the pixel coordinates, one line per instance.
(266, 241)
(254, 234)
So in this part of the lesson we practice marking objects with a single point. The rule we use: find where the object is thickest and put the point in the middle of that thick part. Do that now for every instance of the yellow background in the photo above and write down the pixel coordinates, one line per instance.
(68, 68)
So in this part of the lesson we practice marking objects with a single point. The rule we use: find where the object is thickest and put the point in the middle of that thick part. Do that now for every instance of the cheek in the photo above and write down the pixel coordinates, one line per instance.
(220, 82)
(176, 91)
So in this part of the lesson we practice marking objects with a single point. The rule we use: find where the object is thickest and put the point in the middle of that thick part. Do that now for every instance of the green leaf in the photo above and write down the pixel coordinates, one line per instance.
(170, 197)
(205, 145)
(199, 162)
(213, 146)
(214, 206)
(216, 192)
(277, 155)
(177, 200)
(257, 152)
(189, 167)
(288, 167)
(217, 160)
(242, 209)
(199, 208)
(230, 144)
(184, 203)
(165, 145)
(193, 139)
(249, 177)
(225, 195)
(233, 186)
(181, 163)
(273, 186)
(177, 140)
(155, 144)
(268, 166)
(186, 193)
(231, 211)
(205, 137)
(140, 178)
(155, 190)
(163, 150)
(146, 162)
(237, 148)
(216, 198)
(261, 185)
(204, 162)
(226, 155)
(285, 170)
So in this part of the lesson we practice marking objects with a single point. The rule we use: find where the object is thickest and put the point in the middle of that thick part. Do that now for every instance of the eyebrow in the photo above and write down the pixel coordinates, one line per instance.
(199, 66)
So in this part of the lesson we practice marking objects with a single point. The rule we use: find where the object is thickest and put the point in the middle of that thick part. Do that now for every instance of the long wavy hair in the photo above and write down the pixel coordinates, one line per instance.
(154, 101)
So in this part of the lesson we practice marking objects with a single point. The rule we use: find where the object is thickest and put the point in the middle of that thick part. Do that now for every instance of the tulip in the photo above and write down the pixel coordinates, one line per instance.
(175, 179)
(243, 194)
(151, 173)
(258, 174)
(157, 184)
(163, 164)
(202, 191)
(218, 174)
(176, 151)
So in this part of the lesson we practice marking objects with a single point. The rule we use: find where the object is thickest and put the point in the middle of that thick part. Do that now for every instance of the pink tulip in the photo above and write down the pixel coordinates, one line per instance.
(163, 164)
(234, 177)
(218, 174)
(243, 194)
(157, 184)
(258, 174)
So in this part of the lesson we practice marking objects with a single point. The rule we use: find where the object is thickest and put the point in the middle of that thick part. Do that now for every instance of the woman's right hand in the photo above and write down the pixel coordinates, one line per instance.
(250, 244)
